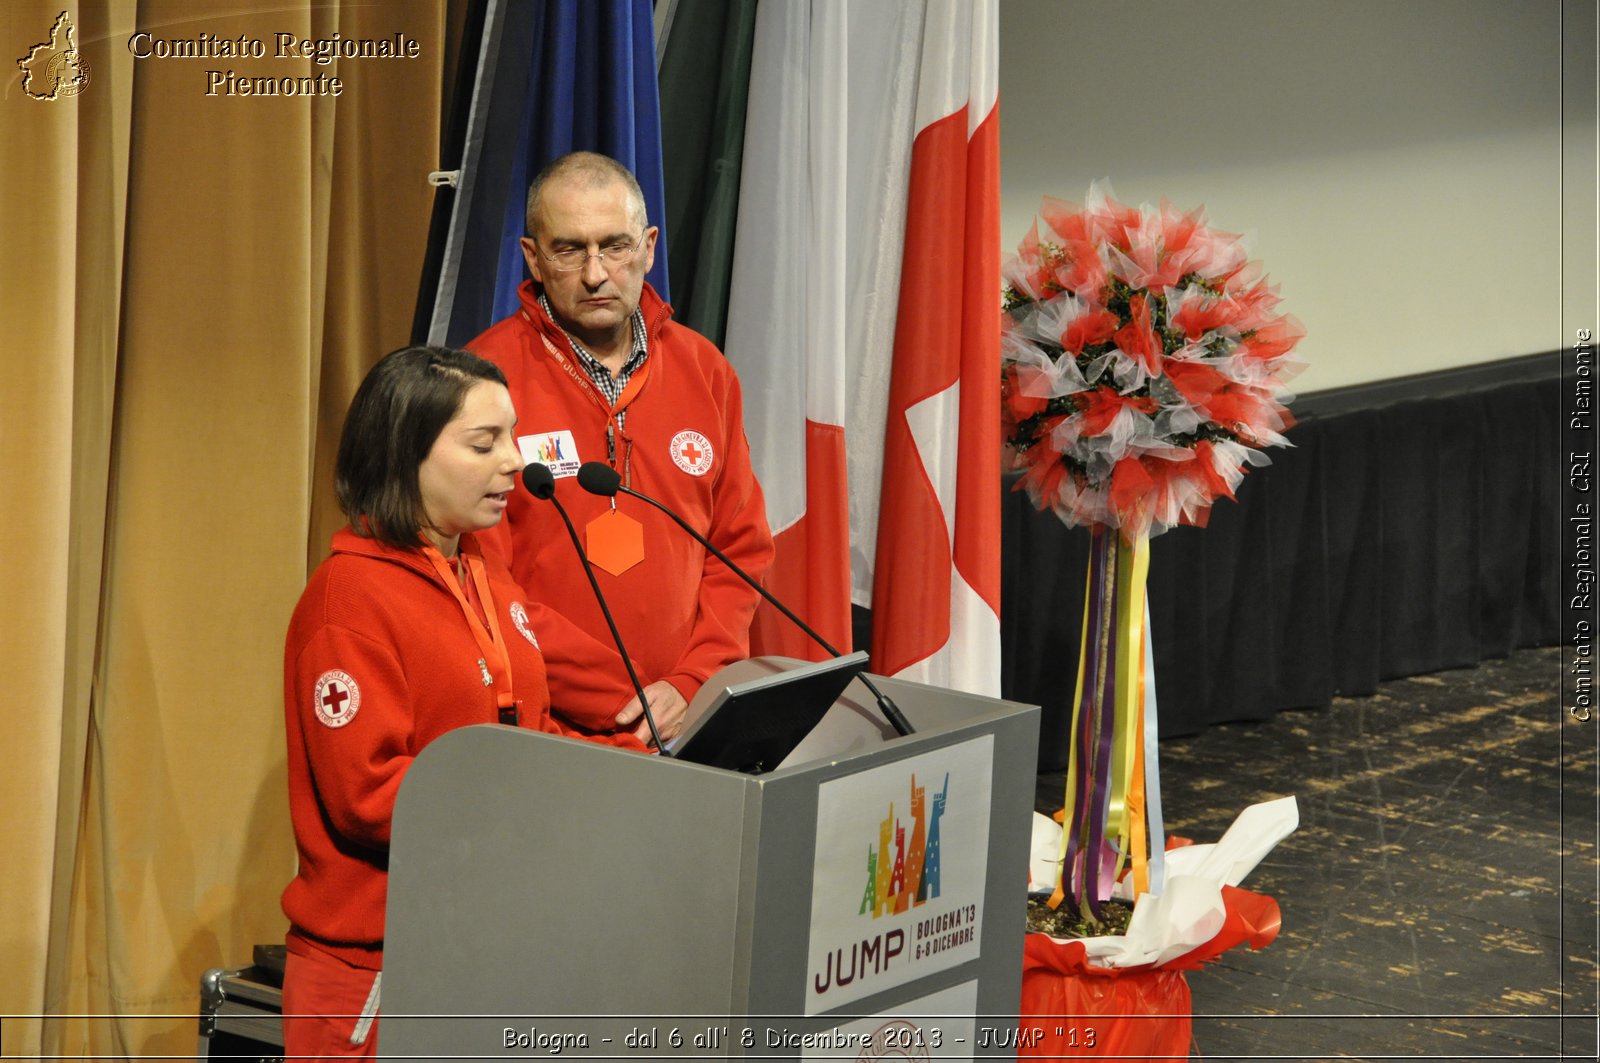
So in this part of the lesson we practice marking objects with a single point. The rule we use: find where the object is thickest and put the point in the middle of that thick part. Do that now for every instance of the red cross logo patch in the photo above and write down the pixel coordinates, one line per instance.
(691, 452)
(336, 698)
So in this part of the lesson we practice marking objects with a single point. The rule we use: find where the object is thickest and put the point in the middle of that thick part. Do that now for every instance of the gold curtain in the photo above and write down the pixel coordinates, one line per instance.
(191, 287)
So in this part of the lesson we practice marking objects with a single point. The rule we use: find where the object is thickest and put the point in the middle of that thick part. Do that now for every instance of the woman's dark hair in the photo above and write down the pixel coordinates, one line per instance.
(394, 419)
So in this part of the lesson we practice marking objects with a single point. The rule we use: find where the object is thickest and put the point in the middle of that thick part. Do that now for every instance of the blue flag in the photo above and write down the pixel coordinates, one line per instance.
(553, 76)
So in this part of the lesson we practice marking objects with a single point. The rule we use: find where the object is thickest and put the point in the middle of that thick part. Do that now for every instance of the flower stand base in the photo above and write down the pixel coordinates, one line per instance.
(1074, 1009)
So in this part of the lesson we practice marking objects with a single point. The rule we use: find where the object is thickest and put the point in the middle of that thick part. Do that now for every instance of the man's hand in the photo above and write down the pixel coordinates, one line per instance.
(666, 705)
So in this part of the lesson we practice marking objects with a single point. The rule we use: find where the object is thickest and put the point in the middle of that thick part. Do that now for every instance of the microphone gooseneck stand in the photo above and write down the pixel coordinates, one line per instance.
(601, 479)
(541, 484)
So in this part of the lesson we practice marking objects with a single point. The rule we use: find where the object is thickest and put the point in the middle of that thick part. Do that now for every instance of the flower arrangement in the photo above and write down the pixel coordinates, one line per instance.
(1143, 368)
(1144, 364)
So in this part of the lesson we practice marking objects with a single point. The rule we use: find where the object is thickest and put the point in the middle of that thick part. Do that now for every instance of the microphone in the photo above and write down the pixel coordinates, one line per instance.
(539, 481)
(598, 478)
(541, 484)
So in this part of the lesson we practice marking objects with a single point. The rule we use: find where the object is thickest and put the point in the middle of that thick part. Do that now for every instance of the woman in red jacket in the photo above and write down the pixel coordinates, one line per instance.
(403, 633)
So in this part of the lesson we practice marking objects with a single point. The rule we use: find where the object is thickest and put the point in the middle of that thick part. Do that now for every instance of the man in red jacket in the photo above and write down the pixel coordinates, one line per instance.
(598, 371)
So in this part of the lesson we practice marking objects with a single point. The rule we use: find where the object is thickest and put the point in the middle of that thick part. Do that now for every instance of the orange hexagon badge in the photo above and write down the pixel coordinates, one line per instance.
(615, 542)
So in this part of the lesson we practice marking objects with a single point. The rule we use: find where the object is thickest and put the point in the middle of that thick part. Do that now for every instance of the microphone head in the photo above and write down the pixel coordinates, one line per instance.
(539, 481)
(598, 478)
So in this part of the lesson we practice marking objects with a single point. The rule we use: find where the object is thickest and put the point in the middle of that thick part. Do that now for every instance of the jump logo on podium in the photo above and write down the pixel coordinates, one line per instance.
(902, 877)
(898, 880)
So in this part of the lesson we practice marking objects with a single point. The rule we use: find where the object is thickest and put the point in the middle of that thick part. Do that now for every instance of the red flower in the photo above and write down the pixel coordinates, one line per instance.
(1244, 412)
(1094, 325)
(1205, 468)
(1137, 339)
(1115, 224)
(1198, 315)
(1152, 268)
(1272, 340)
(1031, 263)
(1042, 479)
(1132, 492)
(1079, 269)
(1020, 406)
(1065, 219)
(1178, 229)
(1195, 381)
(1101, 406)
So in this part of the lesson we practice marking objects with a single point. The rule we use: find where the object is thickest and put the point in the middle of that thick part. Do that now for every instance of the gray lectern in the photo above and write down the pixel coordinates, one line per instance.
(865, 899)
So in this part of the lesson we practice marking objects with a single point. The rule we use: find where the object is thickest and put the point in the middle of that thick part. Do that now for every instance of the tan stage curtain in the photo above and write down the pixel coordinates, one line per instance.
(191, 288)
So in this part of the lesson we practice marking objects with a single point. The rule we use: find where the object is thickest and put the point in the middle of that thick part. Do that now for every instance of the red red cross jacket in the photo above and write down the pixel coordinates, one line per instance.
(681, 613)
(380, 661)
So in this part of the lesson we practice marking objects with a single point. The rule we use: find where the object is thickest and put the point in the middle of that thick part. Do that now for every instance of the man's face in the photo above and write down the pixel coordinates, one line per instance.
(593, 303)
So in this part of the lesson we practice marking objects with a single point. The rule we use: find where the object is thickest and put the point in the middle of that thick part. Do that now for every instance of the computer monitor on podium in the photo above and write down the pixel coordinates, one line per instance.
(752, 726)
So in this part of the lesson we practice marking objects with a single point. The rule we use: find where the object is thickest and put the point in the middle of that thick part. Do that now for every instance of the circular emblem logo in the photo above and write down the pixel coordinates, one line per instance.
(691, 451)
(336, 698)
(519, 619)
(67, 74)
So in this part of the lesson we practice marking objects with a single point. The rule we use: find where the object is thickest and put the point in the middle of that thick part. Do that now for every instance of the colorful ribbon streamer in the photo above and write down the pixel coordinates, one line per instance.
(1113, 803)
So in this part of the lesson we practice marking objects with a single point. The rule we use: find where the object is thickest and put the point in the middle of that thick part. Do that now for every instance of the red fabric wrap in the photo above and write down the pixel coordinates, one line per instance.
(1073, 1008)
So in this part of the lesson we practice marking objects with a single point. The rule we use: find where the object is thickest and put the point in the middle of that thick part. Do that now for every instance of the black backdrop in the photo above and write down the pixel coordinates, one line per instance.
(1413, 527)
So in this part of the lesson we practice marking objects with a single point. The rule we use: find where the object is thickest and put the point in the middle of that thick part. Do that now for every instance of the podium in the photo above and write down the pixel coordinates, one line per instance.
(550, 896)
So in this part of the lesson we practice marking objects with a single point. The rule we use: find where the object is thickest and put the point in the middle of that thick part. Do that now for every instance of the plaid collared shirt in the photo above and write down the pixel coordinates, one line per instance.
(610, 386)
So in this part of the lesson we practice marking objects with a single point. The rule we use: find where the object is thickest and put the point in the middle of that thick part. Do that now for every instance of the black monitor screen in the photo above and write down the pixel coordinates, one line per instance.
(752, 726)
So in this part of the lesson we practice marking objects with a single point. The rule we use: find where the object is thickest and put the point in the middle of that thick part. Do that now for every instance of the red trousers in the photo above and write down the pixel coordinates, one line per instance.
(328, 1006)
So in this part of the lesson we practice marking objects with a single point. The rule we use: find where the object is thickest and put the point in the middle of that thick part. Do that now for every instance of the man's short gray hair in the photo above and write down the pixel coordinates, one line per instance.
(593, 171)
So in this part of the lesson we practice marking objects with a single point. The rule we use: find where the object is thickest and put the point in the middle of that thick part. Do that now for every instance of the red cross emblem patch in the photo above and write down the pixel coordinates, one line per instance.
(336, 698)
(691, 452)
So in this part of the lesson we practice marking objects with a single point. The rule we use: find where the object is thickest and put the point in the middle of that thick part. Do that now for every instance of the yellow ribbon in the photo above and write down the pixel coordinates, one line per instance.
(1126, 799)
(1069, 817)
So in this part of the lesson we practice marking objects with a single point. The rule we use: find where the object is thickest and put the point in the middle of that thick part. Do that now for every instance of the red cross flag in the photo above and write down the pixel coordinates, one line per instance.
(864, 322)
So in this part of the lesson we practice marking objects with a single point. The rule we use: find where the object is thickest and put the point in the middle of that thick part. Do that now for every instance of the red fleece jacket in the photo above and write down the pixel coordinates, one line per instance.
(681, 613)
(380, 661)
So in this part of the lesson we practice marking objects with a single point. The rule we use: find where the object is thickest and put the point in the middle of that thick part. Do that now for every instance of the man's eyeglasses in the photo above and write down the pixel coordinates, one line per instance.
(569, 259)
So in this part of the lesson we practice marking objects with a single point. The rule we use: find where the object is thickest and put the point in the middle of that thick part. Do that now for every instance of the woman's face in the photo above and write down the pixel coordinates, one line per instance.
(472, 468)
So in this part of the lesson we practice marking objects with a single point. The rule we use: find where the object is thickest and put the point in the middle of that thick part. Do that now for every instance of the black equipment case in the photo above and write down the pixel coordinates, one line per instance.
(241, 1009)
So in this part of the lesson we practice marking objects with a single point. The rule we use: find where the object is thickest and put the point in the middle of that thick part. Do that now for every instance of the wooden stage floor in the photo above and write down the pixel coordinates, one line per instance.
(1439, 899)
